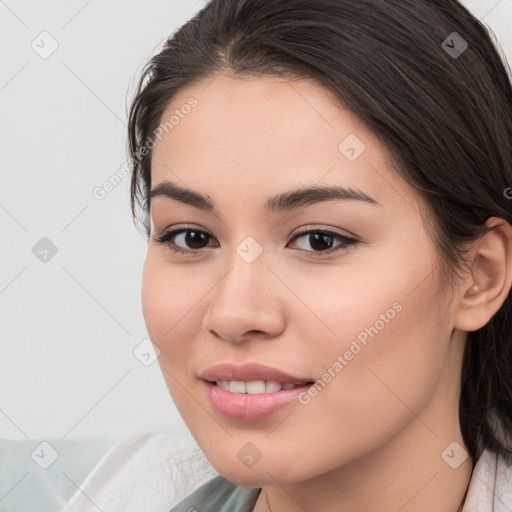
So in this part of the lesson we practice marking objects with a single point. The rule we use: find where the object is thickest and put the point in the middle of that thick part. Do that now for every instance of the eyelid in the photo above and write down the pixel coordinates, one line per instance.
(325, 229)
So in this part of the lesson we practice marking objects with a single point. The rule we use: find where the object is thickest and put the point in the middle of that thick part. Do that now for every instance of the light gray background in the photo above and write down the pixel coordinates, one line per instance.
(70, 324)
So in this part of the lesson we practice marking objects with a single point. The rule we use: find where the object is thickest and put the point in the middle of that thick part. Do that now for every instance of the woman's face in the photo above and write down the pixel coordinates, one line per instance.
(370, 323)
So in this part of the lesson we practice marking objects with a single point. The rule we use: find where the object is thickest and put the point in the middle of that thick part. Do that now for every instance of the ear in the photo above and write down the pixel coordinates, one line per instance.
(488, 281)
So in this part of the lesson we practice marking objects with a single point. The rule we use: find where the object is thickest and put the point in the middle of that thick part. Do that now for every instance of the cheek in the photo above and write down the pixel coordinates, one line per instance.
(155, 298)
(168, 305)
(349, 305)
(170, 318)
(386, 361)
(378, 336)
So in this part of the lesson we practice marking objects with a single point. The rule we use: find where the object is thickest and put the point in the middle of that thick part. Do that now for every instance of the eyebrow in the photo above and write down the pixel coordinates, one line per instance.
(285, 201)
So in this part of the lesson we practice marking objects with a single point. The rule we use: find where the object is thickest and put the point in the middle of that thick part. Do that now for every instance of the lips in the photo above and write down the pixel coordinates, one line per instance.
(250, 372)
(248, 398)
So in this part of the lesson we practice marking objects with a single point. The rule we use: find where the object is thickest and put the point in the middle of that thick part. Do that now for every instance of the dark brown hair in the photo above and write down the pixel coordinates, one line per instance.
(442, 110)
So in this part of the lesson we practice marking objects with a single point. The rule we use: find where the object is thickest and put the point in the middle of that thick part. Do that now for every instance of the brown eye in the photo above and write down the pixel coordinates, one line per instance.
(193, 239)
(322, 241)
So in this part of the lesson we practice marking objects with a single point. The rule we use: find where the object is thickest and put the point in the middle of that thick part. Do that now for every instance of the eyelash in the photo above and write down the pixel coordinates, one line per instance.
(347, 244)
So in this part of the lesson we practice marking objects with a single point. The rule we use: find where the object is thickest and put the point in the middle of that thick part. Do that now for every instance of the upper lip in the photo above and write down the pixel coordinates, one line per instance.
(248, 372)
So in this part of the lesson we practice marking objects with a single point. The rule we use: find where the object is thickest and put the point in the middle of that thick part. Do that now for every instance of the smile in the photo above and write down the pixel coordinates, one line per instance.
(255, 387)
(249, 401)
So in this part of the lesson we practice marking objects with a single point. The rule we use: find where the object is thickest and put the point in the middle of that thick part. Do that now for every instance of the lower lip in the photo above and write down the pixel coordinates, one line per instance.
(247, 407)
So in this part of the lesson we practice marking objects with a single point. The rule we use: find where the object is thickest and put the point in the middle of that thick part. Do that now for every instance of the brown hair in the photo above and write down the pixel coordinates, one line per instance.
(443, 110)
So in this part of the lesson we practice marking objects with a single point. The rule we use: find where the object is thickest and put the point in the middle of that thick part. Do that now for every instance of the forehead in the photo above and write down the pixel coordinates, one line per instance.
(268, 133)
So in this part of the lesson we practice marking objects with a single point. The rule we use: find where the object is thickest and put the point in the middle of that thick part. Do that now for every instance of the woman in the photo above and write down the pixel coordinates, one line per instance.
(326, 190)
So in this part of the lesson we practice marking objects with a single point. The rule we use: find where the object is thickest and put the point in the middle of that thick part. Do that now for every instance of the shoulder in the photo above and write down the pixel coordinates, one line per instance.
(144, 472)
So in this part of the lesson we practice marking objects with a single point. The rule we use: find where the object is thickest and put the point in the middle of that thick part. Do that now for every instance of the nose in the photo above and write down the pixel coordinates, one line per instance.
(246, 303)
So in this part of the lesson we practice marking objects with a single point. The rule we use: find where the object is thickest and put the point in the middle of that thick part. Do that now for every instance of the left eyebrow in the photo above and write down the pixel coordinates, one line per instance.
(286, 201)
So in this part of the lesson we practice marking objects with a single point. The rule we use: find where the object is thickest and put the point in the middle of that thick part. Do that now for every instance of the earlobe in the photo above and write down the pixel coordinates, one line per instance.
(489, 278)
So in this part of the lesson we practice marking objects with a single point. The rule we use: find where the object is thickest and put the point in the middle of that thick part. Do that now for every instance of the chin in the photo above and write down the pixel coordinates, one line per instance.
(262, 473)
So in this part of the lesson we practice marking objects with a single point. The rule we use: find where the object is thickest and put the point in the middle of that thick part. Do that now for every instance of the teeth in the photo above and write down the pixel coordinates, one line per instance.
(237, 386)
(272, 386)
(254, 387)
(223, 384)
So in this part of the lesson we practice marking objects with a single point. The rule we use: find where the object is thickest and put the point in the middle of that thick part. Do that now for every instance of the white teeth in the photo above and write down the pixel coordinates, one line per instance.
(237, 386)
(272, 386)
(223, 384)
(254, 387)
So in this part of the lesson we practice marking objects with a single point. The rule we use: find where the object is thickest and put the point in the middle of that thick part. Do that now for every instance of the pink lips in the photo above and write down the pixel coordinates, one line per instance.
(250, 407)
